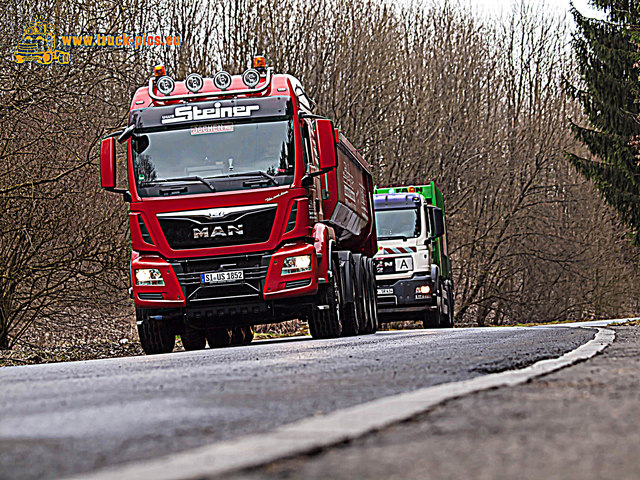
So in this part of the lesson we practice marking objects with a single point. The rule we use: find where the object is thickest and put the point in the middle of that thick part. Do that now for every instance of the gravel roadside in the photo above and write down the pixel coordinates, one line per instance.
(581, 422)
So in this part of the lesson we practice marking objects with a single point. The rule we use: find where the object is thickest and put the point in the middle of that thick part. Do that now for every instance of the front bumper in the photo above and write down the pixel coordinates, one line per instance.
(397, 298)
(261, 289)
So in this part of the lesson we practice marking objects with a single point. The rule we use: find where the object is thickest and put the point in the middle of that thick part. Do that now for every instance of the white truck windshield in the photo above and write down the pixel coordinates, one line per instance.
(398, 223)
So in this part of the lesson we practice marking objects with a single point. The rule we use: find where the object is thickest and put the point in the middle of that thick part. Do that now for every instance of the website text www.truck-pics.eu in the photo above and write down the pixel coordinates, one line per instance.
(121, 40)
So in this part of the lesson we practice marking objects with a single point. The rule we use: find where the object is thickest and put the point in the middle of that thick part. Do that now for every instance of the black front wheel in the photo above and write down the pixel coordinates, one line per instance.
(156, 336)
(325, 320)
(193, 339)
(219, 337)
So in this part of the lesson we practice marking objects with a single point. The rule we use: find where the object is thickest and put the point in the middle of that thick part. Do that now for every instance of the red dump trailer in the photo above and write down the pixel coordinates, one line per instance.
(245, 209)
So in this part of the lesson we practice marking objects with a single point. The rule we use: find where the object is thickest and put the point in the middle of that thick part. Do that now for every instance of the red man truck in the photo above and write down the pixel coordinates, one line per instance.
(245, 209)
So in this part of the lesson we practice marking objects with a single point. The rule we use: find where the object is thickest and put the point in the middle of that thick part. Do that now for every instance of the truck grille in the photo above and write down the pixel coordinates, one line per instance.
(218, 227)
(254, 268)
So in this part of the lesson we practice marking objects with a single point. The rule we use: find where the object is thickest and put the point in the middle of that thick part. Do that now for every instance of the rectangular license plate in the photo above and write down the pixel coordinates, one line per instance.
(385, 291)
(222, 277)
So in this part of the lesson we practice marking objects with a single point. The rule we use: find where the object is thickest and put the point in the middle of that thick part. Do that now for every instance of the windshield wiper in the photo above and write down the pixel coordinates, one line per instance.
(252, 173)
(194, 178)
(394, 237)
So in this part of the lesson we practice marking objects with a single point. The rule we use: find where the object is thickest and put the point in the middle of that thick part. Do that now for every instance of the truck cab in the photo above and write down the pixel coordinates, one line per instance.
(413, 271)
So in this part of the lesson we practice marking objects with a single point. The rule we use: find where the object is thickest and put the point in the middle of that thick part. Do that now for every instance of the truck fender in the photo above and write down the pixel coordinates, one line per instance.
(435, 277)
(323, 240)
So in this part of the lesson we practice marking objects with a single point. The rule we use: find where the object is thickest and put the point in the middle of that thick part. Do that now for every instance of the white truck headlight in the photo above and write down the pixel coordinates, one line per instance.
(149, 276)
(301, 263)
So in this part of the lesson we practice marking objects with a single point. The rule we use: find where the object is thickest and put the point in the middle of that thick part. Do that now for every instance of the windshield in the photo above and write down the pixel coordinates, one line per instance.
(214, 157)
(400, 224)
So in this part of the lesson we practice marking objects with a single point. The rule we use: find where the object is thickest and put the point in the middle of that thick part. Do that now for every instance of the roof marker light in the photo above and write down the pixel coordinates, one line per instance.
(158, 71)
(251, 78)
(259, 62)
(194, 82)
(222, 80)
(165, 85)
(412, 189)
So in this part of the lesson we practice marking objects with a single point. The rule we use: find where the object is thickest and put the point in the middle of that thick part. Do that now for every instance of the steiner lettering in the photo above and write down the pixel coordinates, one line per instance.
(194, 113)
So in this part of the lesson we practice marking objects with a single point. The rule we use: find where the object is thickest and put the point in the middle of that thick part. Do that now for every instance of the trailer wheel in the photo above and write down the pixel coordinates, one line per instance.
(193, 339)
(218, 337)
(350, 313)
(362, 302)
(326, 323)
(373, 296)
(156, 336)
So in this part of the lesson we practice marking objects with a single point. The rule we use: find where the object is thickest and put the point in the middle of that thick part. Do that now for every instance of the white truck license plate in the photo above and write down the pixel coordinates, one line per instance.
(222, 277)
(385, 291)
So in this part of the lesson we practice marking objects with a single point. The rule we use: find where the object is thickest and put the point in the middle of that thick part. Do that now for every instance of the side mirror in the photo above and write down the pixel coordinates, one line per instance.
(108, 163)
(326, 144)
(436, 219)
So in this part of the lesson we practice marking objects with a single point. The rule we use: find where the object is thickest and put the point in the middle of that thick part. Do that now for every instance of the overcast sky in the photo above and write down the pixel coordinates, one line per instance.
(496, 6)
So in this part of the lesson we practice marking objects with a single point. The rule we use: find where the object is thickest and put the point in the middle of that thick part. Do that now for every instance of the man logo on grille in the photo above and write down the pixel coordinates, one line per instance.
(218, 231)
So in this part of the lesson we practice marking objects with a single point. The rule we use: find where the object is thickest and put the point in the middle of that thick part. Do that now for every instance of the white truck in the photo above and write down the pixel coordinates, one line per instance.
(413, 271)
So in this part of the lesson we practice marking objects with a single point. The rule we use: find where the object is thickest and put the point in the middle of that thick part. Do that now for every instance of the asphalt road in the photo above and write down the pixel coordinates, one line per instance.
(580, 423)
(62, 419)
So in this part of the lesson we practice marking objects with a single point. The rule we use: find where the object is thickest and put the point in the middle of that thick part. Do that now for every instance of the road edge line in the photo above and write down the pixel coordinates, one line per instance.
(312, 434)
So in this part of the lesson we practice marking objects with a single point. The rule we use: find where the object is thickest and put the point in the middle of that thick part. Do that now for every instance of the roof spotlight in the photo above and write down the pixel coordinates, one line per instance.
(194, 82)
(222, 80)
(251, 78)
(165, 84)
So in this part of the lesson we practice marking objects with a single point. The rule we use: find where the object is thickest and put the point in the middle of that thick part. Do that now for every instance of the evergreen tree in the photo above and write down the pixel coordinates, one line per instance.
(606, 54)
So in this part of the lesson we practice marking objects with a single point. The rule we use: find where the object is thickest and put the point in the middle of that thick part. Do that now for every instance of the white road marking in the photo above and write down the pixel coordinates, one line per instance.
(323, 431)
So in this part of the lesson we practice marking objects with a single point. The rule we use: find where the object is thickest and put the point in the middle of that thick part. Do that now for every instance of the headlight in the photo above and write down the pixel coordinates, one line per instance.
(149, 276)
(423, 290)
(297, 264)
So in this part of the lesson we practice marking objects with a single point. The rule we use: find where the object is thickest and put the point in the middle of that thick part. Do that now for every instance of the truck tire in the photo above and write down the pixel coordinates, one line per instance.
(326, 323)
(218, 337)
(373, 295)
(367, 324)
(156, 336)
(241, 335)
(446, 321)
(437, 318)
(248, 335)
(193, 339)
(361, 293)
(237, 336)
(350, 313)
